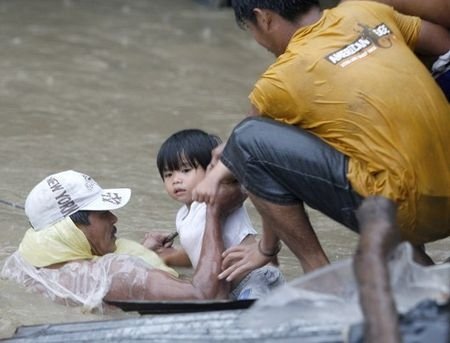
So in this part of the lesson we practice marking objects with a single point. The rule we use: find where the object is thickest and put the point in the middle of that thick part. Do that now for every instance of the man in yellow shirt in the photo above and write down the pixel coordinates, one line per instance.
(348, 111)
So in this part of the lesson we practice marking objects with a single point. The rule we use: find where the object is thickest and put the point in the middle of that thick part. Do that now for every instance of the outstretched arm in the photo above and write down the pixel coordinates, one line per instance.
(436, 11)
(433, 39)
(158, 285)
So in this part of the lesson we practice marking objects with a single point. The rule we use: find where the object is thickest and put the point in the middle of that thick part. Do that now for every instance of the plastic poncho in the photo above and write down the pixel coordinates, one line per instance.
(88, 278)
(330, 296)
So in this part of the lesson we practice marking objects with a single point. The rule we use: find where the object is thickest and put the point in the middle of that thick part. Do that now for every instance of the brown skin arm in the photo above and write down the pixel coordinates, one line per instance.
(205, 283)
(379, 237)
(436, 11)
(433, 39)
(159, 243)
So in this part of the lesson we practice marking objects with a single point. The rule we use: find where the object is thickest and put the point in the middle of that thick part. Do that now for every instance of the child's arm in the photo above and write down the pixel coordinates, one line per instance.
(161, 243)
(435, 11)
(154, 240)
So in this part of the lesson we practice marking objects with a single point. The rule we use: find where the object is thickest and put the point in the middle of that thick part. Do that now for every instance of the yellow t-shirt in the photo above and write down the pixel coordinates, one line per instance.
(353, 80)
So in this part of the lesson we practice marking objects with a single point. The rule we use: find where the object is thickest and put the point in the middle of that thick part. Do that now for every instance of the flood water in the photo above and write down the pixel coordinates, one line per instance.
(96, 86)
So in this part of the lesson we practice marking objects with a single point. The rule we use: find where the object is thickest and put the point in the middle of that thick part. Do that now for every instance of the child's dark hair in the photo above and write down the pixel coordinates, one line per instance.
(288, 9)
(191, 146)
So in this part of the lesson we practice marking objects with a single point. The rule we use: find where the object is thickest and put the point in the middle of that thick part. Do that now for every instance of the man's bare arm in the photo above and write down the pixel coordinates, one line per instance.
(158, 285)
(435, 11)
(434, 40)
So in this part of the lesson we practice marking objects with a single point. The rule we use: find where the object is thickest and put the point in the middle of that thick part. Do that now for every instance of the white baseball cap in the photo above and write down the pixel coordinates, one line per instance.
(62, 194)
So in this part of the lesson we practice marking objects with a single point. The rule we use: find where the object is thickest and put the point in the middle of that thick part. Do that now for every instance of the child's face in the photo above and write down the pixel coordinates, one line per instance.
(180, 183)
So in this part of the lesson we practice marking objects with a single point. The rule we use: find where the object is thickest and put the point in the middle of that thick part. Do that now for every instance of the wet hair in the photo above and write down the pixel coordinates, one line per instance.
(288, 9)
(186, 147)
(80, 217)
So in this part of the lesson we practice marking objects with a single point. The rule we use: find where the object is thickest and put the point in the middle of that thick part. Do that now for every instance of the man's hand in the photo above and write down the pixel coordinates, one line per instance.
(207, 190)
(229, 198)
(240, 260)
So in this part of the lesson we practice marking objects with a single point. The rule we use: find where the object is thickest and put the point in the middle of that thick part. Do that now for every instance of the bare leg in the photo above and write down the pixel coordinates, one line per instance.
(291, 224)
(379, 236)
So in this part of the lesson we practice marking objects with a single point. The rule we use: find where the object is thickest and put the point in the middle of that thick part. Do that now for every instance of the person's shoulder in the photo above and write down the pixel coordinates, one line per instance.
(195, 211)
(182, 212)
(355, 11)
(364, 5)
(281, 66)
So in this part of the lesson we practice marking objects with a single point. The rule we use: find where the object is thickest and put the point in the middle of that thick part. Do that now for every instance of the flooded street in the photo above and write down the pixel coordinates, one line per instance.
(96, 86)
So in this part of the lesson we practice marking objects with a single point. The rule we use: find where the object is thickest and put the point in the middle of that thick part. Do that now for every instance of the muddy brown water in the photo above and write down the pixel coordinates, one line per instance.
(96, 86)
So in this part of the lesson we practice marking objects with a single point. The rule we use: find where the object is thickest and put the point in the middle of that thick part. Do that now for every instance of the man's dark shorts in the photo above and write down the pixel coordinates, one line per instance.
(284, 164)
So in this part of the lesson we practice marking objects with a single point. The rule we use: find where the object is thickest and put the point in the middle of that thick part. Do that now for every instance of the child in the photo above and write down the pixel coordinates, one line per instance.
(182, 163)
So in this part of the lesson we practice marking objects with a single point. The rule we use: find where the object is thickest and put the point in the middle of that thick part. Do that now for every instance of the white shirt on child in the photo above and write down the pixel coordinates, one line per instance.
(190, 226)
